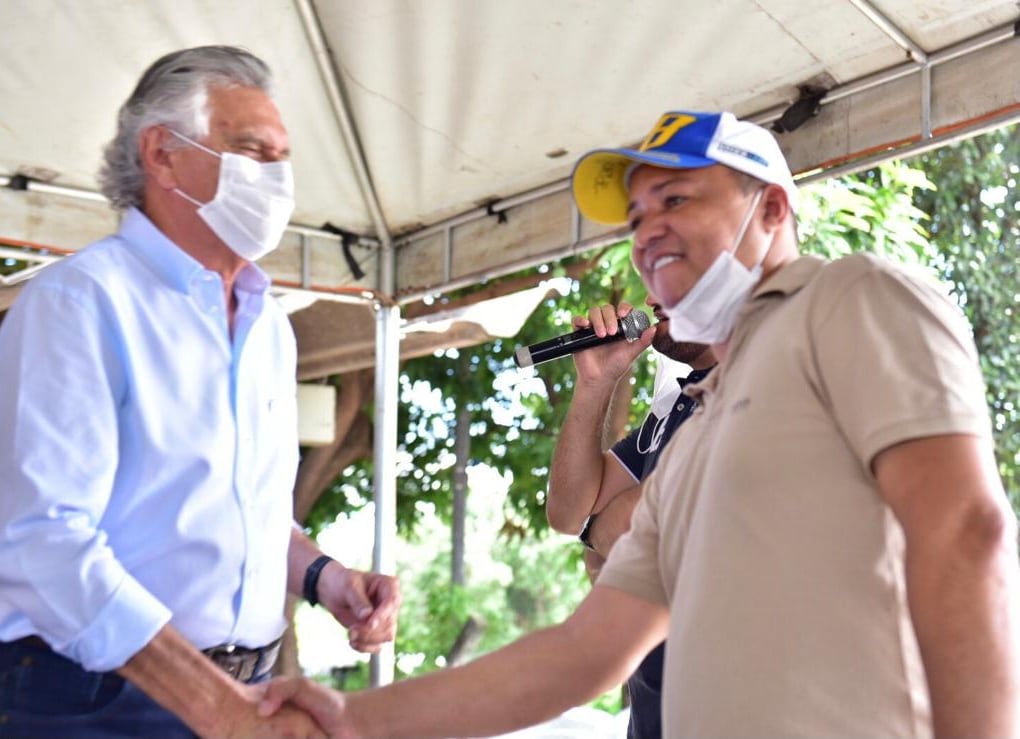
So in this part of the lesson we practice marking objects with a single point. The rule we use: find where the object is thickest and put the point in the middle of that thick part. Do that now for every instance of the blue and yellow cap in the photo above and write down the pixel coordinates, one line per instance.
(679, 140)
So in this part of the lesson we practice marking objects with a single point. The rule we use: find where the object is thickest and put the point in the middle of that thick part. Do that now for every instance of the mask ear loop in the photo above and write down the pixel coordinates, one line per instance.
(743, 230)
(206, 149)
(189, 140)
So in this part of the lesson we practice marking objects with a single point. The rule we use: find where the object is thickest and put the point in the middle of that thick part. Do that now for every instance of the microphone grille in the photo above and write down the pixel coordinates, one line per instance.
(634, 324)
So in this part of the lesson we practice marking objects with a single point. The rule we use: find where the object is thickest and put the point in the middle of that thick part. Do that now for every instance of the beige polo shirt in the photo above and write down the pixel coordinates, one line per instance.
(761, 526)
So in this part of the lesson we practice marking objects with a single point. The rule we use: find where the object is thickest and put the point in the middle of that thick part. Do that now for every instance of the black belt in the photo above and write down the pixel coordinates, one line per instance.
(241, 663)
(245, 663)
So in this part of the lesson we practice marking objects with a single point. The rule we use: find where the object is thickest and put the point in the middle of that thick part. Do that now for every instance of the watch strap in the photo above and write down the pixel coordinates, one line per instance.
(585, 535)
(310, 590)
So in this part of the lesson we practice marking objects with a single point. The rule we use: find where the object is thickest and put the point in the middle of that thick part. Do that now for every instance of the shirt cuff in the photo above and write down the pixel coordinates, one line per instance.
(129, 621)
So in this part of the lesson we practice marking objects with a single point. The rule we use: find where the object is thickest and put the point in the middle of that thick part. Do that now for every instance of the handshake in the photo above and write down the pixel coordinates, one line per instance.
(366, 604)
(288, 703)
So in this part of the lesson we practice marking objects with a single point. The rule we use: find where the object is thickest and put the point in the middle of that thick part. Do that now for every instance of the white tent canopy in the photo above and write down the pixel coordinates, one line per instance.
(409, 117)
(440, 133)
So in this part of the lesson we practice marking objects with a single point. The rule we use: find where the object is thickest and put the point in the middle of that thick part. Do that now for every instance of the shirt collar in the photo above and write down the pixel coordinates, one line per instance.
(784, 282)
(174, 265)
(789, 278)
(252, 279)
(694, 376)
(170, 263)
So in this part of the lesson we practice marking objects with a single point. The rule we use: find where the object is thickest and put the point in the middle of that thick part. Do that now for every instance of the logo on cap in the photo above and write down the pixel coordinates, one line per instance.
(665, 130)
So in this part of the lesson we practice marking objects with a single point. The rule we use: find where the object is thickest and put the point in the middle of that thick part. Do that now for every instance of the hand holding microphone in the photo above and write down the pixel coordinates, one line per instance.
(631, 326)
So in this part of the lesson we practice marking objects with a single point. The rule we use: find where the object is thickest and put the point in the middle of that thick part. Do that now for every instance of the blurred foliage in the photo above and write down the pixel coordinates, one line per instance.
(514, 412)
(512, 595)
(873, 211)
(10, 266)
(515, 585)
(975, 228)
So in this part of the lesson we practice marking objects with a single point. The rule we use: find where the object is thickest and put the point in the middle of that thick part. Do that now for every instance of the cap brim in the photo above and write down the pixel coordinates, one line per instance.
(599, 180)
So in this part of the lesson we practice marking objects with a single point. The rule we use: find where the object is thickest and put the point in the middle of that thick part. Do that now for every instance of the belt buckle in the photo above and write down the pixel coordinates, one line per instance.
(241, 663)
(223, 657)
(223, 650)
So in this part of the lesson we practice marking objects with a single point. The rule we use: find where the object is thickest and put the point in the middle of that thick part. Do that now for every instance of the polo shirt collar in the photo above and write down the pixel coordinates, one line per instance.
(784, 282)
(789, 278)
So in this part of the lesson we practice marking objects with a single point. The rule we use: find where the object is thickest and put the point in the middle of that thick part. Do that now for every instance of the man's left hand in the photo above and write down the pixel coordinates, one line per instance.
(365, 602)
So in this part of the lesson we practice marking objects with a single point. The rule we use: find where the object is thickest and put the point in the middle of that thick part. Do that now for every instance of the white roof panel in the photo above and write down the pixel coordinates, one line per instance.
(456, 103)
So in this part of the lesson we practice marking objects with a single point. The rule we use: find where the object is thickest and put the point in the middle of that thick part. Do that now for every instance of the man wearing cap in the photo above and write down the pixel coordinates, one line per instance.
(826, 542)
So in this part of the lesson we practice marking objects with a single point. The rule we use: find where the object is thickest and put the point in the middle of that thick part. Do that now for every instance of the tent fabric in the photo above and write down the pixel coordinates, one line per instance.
(460, 119)
(335, 338)
(455, 102)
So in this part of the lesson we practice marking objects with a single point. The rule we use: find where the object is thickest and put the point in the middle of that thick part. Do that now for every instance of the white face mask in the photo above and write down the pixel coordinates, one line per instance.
(666, 389)
(708, 312)
(253, 202)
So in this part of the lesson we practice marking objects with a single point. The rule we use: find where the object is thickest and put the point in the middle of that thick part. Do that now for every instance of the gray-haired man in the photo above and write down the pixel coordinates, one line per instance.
(148, 437)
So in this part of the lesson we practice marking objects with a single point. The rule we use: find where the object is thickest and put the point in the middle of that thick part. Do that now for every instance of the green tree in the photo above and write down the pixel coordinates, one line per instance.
(512, 430)
(975, 231)
(873, 211)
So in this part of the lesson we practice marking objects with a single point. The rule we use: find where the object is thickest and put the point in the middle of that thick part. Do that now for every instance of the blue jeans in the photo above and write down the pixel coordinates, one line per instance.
(48, 696)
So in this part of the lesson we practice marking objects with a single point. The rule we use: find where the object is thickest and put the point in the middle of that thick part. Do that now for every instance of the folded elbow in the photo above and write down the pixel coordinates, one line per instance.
(987, 529)
(561, 522)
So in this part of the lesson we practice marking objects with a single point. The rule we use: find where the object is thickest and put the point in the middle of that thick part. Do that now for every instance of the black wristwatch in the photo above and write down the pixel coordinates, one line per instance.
(311, 583)
(585, 535)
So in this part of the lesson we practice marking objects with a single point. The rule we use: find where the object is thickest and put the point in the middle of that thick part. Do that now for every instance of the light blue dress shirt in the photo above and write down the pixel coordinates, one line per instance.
(147, 459)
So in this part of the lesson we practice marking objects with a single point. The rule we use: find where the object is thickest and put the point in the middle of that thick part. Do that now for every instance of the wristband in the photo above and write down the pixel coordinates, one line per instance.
(311, 584)
(585, 535)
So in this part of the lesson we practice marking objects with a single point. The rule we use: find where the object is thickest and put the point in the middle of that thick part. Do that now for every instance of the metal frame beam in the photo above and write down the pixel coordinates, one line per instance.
(387, 356)
(931, 113)
(543, 226)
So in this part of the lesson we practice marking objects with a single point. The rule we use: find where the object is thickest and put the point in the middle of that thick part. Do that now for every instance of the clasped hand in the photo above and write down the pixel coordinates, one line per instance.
(365, 602)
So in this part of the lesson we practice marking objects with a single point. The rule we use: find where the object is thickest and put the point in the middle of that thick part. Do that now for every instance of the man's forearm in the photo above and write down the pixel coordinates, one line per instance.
(532, 680)
(575, 475)
(613, 521)
(962, 578)
(181, 679)
(495, 694)
(300, 554)
(963, 602)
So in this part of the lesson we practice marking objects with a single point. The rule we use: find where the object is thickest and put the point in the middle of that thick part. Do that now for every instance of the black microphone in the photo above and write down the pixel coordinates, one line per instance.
(632, 326)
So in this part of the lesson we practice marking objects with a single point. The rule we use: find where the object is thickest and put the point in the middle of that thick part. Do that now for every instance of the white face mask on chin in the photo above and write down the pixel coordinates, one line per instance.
(253, 202)
(708, 312)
